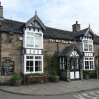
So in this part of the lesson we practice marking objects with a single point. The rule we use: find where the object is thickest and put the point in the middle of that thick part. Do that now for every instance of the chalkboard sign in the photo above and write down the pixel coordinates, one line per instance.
(7, 67)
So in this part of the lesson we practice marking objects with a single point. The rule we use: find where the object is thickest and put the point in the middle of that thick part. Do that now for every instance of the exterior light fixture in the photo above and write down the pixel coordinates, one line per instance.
(20, 38)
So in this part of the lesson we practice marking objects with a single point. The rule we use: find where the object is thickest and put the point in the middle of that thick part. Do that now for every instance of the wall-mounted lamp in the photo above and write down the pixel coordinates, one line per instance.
(20, 38)
(10, 36)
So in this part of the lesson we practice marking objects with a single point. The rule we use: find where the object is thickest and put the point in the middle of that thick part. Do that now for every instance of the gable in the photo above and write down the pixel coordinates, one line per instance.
(89, 33)
(74, 53)
(85, 32)
(35, 22)
(70, 51)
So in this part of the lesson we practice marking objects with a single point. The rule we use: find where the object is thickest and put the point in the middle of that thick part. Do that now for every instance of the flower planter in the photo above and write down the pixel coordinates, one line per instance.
(35, 78)
(54, 79)
(86, 77)
(16, 83)
(16, 80)
(86, 74)
(92, 75)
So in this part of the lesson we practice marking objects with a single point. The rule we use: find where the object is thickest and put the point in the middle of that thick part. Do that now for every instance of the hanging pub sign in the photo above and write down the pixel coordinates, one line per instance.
(7, 67)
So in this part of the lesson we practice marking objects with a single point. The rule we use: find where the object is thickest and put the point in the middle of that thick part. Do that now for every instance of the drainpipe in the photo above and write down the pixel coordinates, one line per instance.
(57, 47)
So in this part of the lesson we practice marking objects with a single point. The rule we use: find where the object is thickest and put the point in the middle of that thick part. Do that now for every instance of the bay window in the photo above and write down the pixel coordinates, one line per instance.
(33, 63)
(33, 52)
(34, 40)
(85, 46)
(88, 46)
(38, 40)
(89, 63)
(30, 39)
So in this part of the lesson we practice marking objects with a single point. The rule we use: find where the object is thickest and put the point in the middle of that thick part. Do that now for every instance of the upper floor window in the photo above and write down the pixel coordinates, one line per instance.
(88, 45)
(30, 39)
(34, 40)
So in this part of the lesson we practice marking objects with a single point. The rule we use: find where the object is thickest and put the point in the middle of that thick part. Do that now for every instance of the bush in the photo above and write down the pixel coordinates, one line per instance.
(15, 77)
(34, 74)
(93, 71)
(86, 72)
(52, 64)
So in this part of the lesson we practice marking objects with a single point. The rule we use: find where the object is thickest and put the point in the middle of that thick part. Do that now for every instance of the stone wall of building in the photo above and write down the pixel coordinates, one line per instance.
(96, 52)
(50, 47)
(11, 50)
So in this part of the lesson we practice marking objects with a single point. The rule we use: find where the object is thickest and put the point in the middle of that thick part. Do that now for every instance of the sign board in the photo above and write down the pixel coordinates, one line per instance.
(7, 67)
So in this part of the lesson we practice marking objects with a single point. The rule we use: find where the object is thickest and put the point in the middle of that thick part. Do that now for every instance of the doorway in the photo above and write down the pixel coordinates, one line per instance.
(74, 68)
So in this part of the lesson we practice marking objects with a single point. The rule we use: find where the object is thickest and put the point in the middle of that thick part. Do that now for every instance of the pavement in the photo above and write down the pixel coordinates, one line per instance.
(50, 88)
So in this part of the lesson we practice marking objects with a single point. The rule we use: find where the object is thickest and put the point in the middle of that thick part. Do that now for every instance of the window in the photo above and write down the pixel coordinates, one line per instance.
(30, 39)
(85, 47)
(38, 40)
(74, 63)
(62, 64)
(29, 63)
(34, 40)
(71, 63)
(89, 63)
(88, 45)
(34, 63)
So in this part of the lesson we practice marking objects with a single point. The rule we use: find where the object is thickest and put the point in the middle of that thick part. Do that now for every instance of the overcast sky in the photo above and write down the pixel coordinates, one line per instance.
(59, 14)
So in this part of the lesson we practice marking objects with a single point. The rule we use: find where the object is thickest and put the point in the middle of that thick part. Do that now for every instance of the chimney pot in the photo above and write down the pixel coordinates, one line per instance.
(76, 22)
(1, 12)
(76, 27)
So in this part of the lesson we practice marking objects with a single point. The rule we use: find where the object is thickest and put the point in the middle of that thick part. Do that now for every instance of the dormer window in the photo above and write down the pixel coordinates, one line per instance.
(88, 45)
(34, 40)
(29, 39)
(38, 40)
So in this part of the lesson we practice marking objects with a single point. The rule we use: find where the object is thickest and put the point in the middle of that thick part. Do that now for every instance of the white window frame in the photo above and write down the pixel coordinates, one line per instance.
(89, 59)
(87, 41)
(62, 63)
(34, 36)
(27, 72)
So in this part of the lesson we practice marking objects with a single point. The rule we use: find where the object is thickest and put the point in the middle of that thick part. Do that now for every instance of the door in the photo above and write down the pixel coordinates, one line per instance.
(74, 68)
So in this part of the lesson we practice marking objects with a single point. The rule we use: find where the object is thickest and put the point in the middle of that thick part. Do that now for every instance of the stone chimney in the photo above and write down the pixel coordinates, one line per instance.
(76, 27)
(1, 12)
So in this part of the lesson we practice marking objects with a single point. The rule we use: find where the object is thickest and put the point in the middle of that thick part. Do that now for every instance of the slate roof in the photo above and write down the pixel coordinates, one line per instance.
(15, 26)
(58, 34)
(79, 33)
(68, 49)
(51, 33)
(82, 32)
(65, 51)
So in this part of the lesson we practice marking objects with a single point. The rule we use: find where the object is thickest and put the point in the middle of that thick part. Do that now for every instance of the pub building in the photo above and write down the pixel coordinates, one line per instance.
(23, 46)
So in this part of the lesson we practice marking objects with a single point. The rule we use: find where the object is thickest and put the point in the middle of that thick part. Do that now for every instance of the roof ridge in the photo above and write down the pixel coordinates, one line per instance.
(14, 20)
(84, 29)
(59, 29)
